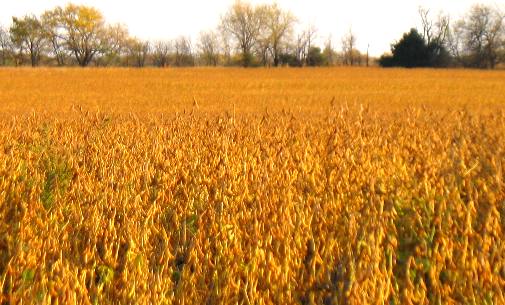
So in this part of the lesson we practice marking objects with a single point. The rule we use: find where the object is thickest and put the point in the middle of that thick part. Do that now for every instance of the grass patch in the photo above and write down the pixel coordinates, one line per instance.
(57, 180)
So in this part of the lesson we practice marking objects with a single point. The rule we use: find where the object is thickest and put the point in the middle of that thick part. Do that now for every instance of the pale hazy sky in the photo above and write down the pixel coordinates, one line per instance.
(376, 23)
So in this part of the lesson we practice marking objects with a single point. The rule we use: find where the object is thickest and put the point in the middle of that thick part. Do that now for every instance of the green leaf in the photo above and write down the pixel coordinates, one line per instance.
(104, 275)
(191, 223)
(28, 275)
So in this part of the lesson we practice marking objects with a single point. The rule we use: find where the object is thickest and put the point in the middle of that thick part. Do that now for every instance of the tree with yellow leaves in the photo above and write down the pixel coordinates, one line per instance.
(82, 30)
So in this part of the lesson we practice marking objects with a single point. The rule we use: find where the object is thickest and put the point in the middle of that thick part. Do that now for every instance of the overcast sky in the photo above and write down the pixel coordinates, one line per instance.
(376, 23)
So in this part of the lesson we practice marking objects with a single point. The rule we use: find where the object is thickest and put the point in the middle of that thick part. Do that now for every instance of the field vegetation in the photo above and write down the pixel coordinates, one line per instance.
(261, 186)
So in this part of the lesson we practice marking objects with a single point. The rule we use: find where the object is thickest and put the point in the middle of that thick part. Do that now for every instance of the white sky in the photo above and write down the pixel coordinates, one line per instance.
(377, 23)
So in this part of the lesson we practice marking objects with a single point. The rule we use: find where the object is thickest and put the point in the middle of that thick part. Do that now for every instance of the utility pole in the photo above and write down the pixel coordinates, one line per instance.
(368, 47)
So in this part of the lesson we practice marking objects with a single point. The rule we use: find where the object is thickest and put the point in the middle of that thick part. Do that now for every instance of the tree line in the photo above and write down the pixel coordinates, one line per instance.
(247, 35)
(477, 40)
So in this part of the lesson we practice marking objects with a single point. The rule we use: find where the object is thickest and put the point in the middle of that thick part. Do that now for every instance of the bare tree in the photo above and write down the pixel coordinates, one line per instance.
(116, 37)
(183, 52)
(263, 43)
(479, 38)
(427, 23)
(244, 23)
(138, 51)
(50, 25)
(436, 35)
(161, 53)
(349, 48)
(226, 45)
(263, 48)
(328, 53)
(303, 44)
(6, 48)
(455, 41)
(301, 49)
(279, 27)
(309, 35)
(27, 34)
(434, 31)
(208, 46)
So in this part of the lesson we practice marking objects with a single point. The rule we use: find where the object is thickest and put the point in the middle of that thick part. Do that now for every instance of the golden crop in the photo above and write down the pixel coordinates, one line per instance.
(232, 186)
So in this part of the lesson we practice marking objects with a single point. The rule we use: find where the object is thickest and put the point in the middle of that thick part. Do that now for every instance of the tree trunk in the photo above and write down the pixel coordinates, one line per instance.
(276, 59)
